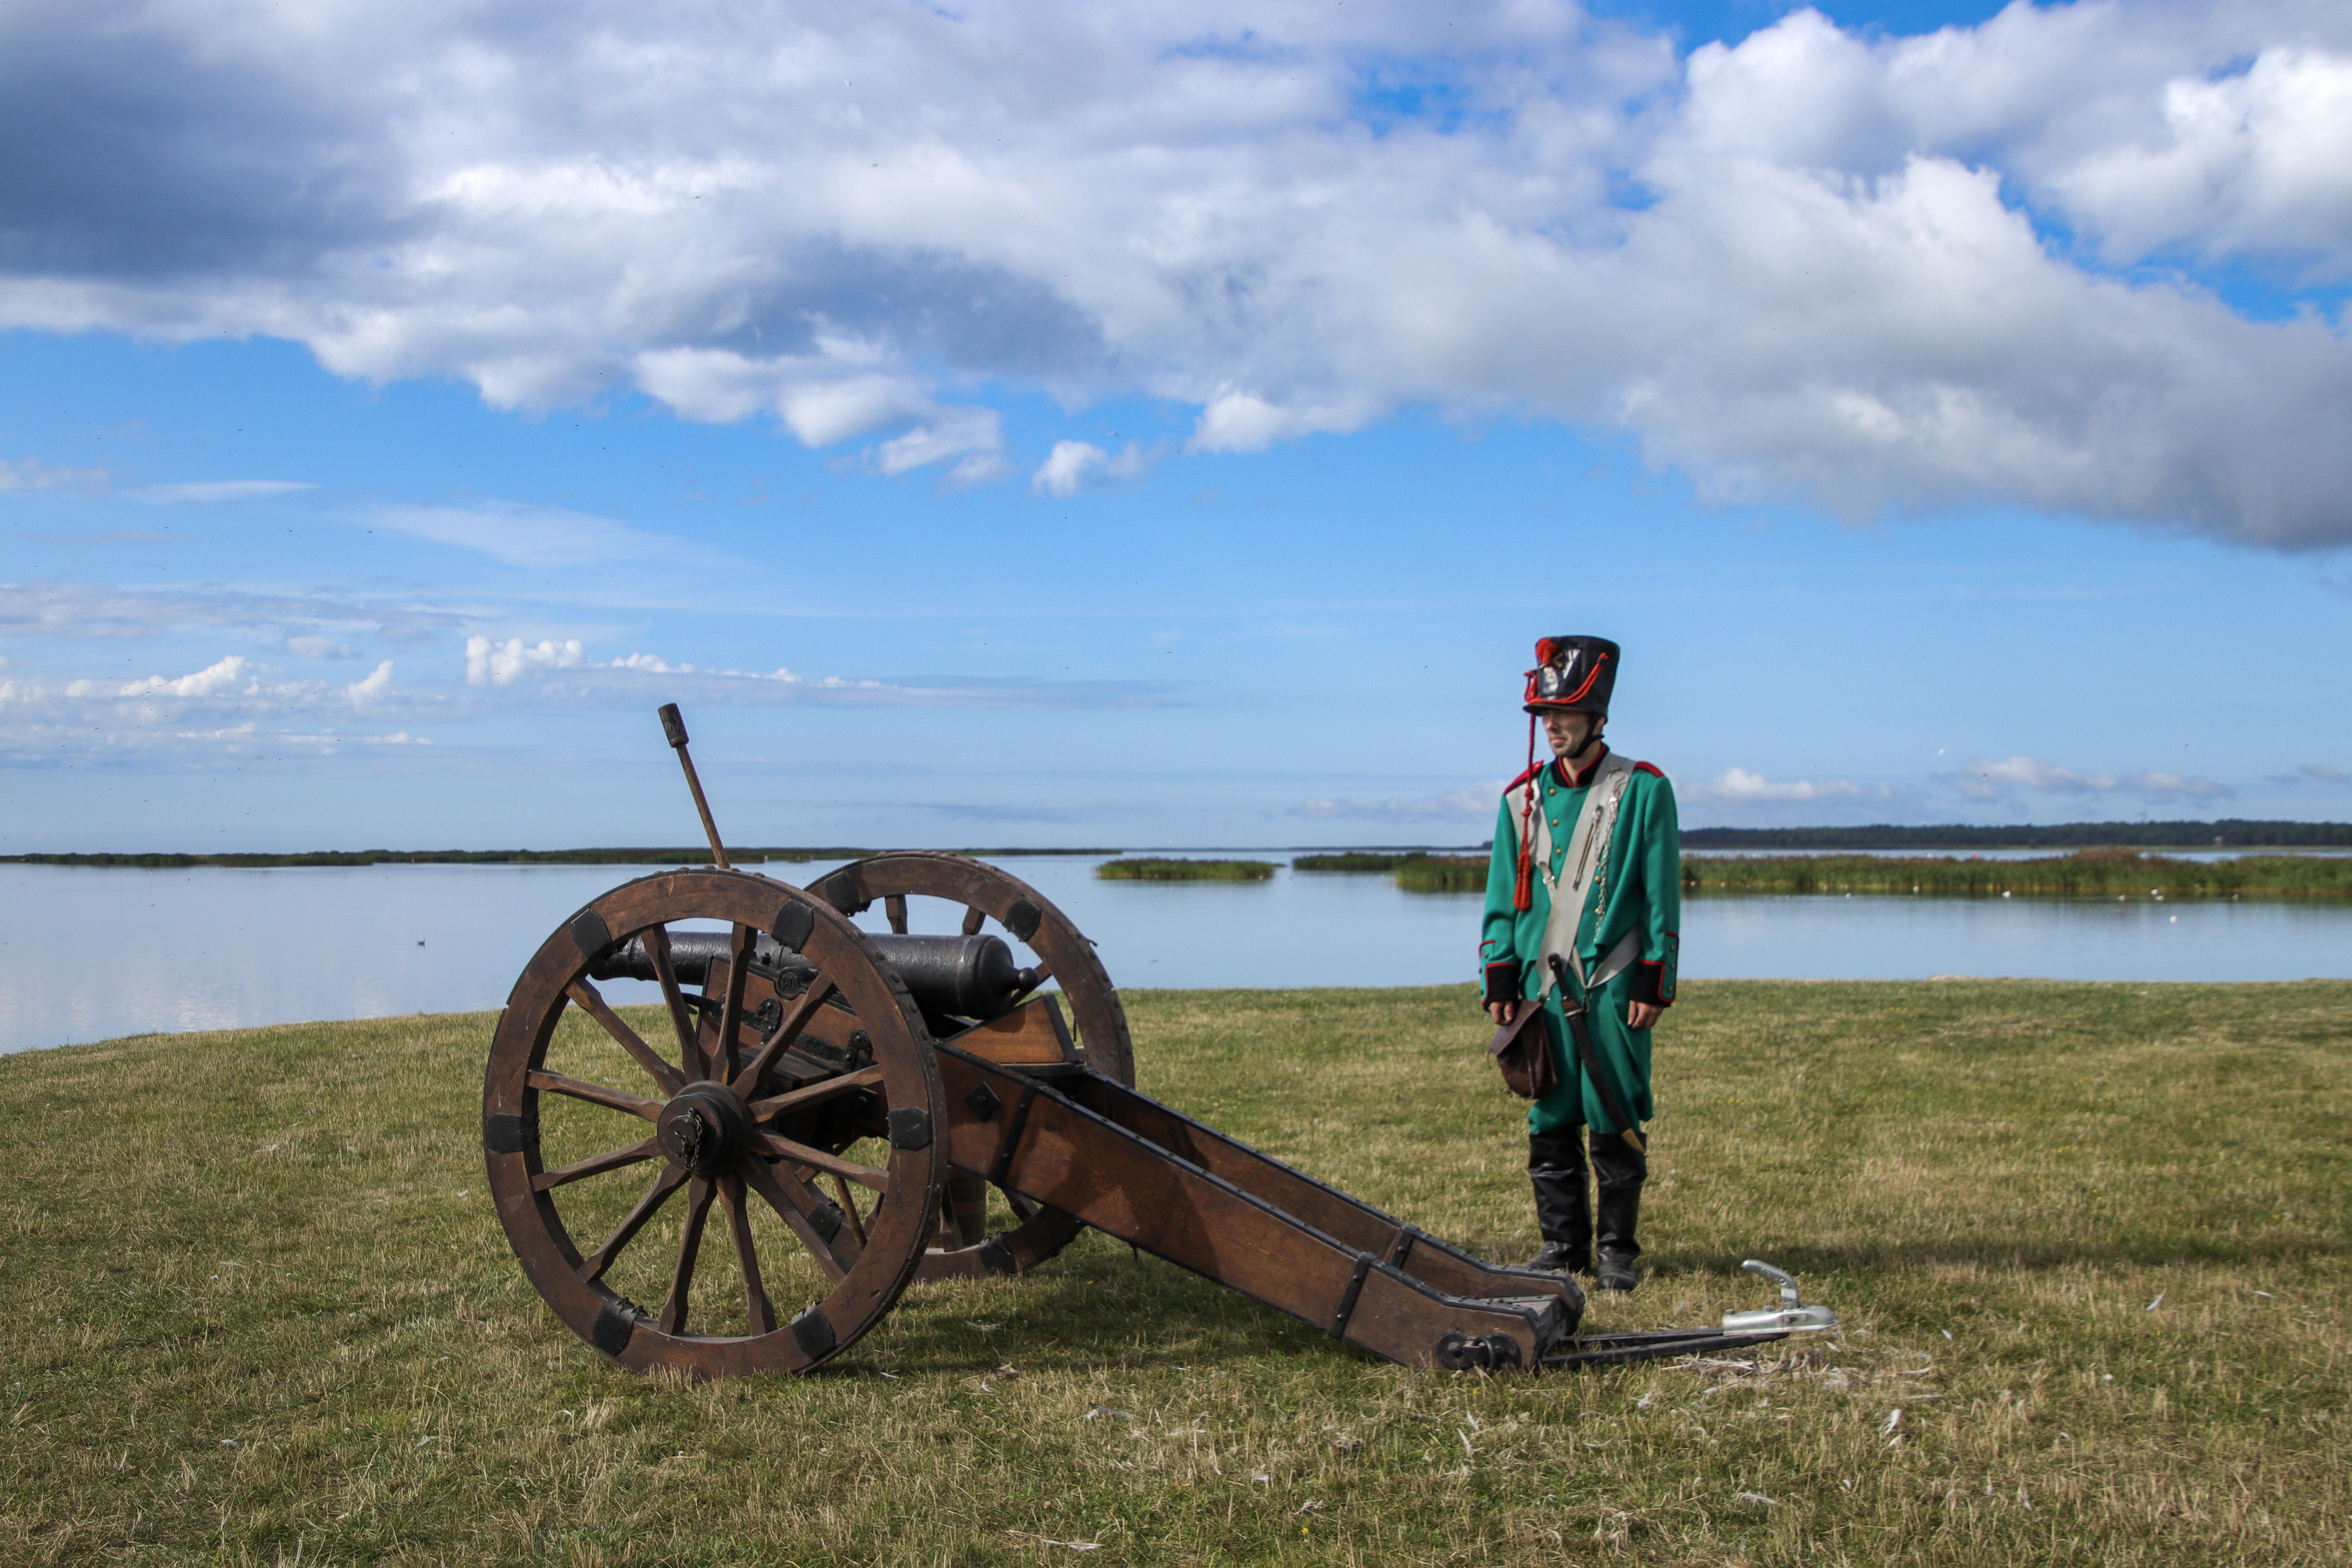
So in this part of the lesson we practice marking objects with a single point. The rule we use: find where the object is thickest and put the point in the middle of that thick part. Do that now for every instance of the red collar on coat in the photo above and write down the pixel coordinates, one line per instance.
(1576, 781)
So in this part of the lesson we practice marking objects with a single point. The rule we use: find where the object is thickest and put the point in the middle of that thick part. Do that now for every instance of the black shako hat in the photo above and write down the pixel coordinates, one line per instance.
(1574, 673)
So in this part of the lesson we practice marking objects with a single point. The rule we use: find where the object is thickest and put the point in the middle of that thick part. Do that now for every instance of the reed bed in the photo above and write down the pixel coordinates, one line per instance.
(2090, 873)
(1418, 870)
(1443, 874)
(1352, 860)
(1149, 869)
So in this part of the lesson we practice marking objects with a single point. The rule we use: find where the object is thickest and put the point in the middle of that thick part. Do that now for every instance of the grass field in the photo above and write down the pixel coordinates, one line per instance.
(2089, 1243)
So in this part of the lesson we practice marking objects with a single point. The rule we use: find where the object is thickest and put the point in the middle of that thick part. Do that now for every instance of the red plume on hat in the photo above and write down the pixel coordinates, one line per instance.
(1575, 675)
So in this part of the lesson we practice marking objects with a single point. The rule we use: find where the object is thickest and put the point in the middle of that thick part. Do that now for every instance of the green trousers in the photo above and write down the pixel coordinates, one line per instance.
(1624, 1053)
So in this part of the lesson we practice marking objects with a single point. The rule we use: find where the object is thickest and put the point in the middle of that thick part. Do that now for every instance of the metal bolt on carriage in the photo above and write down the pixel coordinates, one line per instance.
(859, 1110)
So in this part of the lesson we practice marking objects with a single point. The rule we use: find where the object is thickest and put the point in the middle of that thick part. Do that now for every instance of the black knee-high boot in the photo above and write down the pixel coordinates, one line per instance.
(1619, 1169)
(1556, 1166)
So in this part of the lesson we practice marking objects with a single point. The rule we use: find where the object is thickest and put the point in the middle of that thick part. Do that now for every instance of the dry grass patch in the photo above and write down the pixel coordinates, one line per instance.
(2088, 1241)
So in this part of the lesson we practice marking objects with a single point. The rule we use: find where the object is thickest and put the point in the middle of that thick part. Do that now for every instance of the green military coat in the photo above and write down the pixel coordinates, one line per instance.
(1636, 894)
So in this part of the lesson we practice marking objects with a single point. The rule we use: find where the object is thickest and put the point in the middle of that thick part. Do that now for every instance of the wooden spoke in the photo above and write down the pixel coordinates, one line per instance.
(779, 1148)
(595, 1093)
(756, 1305)
(787, 1194)
(894, 905)
(721, 1055)
(765, 1110)
(681, 1019)
(1053, 956)
(786, 1033)
(638, 1126)
(666, 1183)
(689, 1244)
(597, 1164)
(585, 996)
(849, 1206)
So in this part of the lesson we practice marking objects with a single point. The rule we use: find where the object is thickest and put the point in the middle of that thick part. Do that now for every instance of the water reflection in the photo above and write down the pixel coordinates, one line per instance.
(92, 954)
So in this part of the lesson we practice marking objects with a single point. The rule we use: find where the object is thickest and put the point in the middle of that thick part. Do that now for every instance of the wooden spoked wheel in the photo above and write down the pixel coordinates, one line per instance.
(801, 1112)
(975, 894)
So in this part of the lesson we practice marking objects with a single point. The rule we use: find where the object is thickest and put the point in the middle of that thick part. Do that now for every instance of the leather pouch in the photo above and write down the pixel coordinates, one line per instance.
(1523, 1051)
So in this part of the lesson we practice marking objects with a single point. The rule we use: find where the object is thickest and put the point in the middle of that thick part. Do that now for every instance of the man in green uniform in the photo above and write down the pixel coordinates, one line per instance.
(1584, 907)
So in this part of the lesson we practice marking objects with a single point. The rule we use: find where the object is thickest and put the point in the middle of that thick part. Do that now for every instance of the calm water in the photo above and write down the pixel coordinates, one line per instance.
(90, 954)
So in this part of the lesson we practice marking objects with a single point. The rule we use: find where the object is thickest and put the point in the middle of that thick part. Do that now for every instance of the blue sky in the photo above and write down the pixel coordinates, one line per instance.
(1169, 431)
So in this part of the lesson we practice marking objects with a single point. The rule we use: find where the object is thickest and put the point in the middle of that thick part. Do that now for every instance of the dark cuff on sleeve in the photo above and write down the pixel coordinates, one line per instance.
(1503, 981)
(1649, 983)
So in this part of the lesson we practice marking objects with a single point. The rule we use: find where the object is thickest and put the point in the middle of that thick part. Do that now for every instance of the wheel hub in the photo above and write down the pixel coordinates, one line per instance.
(706, 1127)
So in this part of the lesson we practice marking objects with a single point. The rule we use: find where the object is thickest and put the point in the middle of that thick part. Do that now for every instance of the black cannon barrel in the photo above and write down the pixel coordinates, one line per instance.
(970, 976)
(967, 976)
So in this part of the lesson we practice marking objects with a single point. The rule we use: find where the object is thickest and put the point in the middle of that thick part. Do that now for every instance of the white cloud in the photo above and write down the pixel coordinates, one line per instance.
(633, 678)
(952, 434)
(2158, 785)
(653, 664)
(1985, 779)
(211, 492)
(1067, 468)
(28, 474)
(2239, 166)
(538, 536)
(1461, 805)
(91, 610)
(1245, 422)
(229, 674)
(489, 663)
(821, 412)
(978, 468)
(835, 394)
(373, 688)
(319, 647)
(1878, 272)
(1738, 786)
(231, 707)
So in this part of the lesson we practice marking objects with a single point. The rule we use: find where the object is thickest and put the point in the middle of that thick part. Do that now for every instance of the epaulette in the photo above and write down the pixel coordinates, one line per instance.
(1649, 768)
(1525, 777)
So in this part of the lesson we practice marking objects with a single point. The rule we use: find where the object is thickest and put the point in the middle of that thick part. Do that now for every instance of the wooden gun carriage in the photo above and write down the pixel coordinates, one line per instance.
(859, 1110)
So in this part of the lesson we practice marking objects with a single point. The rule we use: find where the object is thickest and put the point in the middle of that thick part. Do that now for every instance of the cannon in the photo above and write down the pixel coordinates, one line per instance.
(860, 1110)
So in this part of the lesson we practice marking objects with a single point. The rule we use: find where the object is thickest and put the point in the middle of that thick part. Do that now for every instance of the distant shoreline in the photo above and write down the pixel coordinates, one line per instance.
(2225, 834)
(697, 855)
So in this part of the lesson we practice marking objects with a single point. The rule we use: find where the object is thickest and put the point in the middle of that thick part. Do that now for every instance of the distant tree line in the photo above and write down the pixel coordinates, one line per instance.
(2231, 833)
